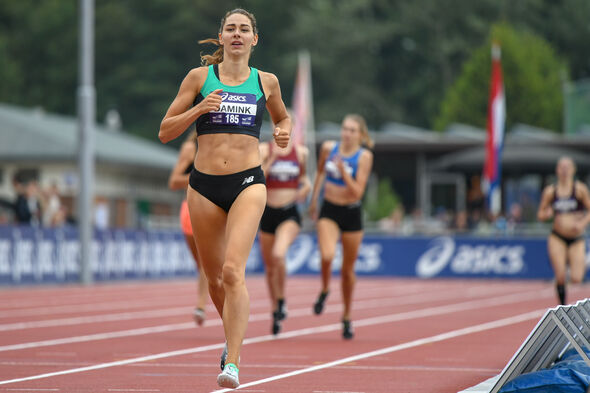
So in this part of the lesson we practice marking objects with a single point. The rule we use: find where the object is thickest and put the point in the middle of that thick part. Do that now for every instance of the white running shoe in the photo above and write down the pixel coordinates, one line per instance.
(224, 357)
(199, 316)
(229, 377)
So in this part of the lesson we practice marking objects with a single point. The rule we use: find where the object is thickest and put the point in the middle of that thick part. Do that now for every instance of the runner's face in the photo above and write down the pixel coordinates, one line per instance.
(350, 133)
(237, 36)
(565, 168)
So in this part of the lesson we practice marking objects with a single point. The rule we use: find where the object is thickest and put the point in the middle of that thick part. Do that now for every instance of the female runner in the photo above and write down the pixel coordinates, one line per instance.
(566, 202)
(178, 180)
(345, 166)
(227, 99)
(286, 185)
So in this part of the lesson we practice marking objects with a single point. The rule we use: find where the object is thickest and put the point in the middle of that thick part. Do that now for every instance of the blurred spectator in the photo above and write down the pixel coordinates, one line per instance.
(474, 219)
(416, 220)
(500, 223)
(101, 214)
(52, 212)
(22, 213)
(34, 202)
(6, 211)
(393, 222)
(443, 219)
(460, 221)
(515, 215)
(475, 196)
(4, 217)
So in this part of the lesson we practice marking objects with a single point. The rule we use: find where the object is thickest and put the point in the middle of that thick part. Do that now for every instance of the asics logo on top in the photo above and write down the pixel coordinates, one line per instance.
(248, 180)
(565, 204)
(333, 170)
(233, 97)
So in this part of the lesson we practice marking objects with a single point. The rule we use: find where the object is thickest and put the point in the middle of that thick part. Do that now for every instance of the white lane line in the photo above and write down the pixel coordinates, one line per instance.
(160, 313)
(401, 289)
(110, 305)
(72, 309)
(34, 390)
(373, 303)
(163, 312)
(83, 295)
(427, 312)
(133, 390)
(196, 365)
(104, 336)
(333, 391)
(410, 344)
(253, 391)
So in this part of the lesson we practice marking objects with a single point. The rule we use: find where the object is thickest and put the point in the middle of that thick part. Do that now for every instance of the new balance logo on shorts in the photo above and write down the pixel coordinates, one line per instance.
(248, 179)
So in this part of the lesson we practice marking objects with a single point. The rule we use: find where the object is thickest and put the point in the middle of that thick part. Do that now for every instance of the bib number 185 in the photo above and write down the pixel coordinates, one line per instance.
(232, 119)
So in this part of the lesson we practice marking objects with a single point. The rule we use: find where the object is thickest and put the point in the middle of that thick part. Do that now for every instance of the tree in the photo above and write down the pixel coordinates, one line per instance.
(381, 203)
(390, 60)
(40, 49)
(564, 24)
(532, 82)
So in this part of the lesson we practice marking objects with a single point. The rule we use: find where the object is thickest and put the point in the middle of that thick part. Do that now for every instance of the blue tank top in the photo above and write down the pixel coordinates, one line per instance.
(351, 164)
(242, 106)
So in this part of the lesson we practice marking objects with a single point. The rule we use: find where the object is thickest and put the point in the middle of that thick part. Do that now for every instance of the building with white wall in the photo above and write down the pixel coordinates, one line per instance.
(131, 176)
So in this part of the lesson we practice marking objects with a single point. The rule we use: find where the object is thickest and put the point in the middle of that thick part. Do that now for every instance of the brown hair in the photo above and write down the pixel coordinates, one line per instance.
(217, 56)
(366, 138)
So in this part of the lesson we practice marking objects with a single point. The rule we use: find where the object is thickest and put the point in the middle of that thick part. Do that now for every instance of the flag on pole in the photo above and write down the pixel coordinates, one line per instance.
(302, 100)
(495, 135)
(303, 132)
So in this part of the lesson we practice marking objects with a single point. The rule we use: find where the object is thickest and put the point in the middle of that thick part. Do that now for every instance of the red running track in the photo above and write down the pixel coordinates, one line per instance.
(411, 336)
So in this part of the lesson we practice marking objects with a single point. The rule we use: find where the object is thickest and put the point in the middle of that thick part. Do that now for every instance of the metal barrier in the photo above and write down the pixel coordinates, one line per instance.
(560, 329)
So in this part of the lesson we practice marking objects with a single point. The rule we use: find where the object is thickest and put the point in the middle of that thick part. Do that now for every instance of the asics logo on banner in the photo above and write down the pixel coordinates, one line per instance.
(233, 97)
(248, 180)
(470, 258)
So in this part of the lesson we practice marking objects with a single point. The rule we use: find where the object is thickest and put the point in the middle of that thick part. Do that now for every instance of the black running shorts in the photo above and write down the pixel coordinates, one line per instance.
(223, 190)
(273, 217)
(347, 217)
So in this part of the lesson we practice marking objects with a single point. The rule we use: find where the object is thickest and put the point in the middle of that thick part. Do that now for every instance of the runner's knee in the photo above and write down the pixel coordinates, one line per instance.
(576, 279)
(278, 256)
(348, 275)
(232, 276)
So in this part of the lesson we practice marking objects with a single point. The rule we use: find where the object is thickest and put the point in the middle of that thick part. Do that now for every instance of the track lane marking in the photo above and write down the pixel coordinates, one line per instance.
(370, 303)
(163, 312)
(410, 344)
(427, 312)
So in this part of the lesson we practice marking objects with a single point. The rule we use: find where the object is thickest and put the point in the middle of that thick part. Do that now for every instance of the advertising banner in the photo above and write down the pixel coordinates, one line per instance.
(31, 255)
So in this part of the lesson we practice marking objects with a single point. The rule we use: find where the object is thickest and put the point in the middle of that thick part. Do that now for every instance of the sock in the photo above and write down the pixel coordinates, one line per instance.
(280, 304)
(561, 292)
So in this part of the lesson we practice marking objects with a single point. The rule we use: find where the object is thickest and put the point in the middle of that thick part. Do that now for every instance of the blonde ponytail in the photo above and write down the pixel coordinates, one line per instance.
(365, 137)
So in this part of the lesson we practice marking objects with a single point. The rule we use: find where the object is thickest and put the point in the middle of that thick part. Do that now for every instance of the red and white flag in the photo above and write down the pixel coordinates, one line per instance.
(303, 132)
(302, 100)
(495, 136)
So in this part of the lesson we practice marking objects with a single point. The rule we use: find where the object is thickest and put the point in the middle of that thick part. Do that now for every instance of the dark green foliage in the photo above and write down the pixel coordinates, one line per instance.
(532, 80)
(386, 59)
(383, 203)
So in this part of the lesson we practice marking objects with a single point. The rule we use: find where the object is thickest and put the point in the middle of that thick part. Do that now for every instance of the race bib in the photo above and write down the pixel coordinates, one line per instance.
(237, 109)
(334, 172)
